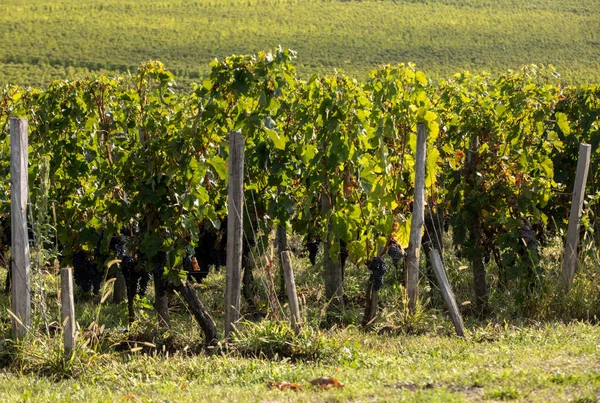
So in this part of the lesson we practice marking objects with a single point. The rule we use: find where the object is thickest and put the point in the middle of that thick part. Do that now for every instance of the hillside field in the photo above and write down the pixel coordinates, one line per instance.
(43, 40)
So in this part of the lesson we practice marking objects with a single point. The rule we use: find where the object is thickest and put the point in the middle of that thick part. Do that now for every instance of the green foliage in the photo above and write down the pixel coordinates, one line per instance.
(499, 142)
(131, 151)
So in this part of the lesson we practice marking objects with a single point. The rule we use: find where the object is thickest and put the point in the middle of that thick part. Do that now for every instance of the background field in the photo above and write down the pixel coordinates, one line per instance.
(44, 40)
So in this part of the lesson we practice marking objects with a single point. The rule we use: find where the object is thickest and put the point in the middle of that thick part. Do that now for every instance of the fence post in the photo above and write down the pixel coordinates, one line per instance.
(570, 259)
(440, 274)
(416, 227)
(372, 303)
(234, 231)
(119, 289)
(67, 309)
(282, 245)
(20, 264)
(290, 287)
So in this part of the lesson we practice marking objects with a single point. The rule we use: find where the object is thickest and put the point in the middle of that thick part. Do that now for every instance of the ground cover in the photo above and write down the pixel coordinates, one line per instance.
(416, 358)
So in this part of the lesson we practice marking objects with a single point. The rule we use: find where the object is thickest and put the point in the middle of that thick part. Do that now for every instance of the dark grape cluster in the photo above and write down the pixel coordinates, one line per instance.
(378, 268)
(343, 255)
(395, 253)
(188, 266)
(5, 233)
(5, 240)
(117, 247)
(89, 270)
(212, 251)
(312, 246)
(123, 247)
(136, 277)
(86, 272)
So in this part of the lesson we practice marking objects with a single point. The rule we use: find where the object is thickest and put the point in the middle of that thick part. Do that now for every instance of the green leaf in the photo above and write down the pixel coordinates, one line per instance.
(308, 152)
(431, 166)
(151, 245)
(277, 139)
(563, 123)
(340, 227)
(402, 234)
(220, 166)
(194, 174)
(548, 167)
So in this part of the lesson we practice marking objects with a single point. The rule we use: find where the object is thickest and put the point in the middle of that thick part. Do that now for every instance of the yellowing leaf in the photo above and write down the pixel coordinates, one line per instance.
(327, 383)
(283, 385)
(421, 77)
(402, 233)
(278, 140)
(563, 123)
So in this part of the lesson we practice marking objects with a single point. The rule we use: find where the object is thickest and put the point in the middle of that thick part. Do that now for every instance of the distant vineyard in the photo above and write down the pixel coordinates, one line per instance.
(45, 40)
(111, 152)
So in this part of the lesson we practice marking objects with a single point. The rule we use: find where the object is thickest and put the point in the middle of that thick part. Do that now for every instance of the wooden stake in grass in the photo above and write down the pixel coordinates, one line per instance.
(20, 264)
(442, 280)
(290, 287)
(67, 309)
(371, 305)
(120, 289)
(416, 227)
(234, 231)
(570, 260)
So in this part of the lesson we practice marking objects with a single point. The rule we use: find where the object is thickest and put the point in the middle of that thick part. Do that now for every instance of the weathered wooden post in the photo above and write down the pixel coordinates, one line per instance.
(67, 309)
(378, 269)
(442, 280)
(416, 227)
(570, 259)
(372, 303)
(290, 287)
(234, 231)
(332, 269)
(119, 289)
(282, 245)
(20, 264)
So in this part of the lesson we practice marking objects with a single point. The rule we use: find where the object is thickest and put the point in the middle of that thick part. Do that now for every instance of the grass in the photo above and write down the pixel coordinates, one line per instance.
(49, 39)
(403, 357)
(540, 363)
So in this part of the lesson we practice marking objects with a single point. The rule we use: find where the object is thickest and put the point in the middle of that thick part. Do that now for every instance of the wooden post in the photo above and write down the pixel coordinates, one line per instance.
(372, 290)
(290, 287)
(475, 238)
(234, 231)
(282, 245)
(570, 259)
(371, 305)
(332, 269)
(119, 289)
(442, 280)
(67, 309)
(20, 264)
(416, 227)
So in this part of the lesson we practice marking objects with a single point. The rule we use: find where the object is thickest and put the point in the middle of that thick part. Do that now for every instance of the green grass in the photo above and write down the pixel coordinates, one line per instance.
(541, 363)
(529, 355)
(48, 39)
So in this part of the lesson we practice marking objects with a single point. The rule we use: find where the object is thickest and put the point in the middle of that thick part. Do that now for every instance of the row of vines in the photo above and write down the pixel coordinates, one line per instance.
(330, 158)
